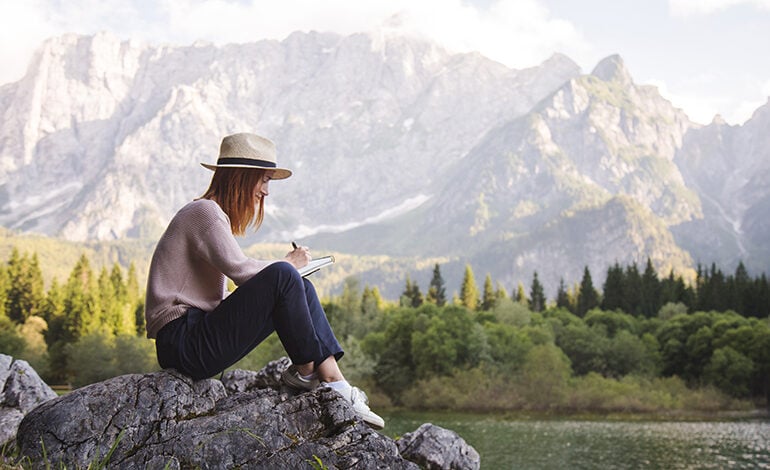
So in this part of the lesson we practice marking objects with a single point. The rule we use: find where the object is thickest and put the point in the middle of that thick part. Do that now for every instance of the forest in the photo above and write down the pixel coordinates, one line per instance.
(642, 343)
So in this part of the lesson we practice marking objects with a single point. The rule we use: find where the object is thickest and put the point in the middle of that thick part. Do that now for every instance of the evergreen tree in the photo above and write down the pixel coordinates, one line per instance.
(135, 299)
(488, 299)
(25, 295)
(3, 291)
(436, 291)
(81, 302)
(671, 289)
(469, 293)
(632, 290)
(371, 302)
(500, 293)
(613, 289)
(712, 290)
(536, 295)
(760, 298)
(11, 342)
(740, 289)
(124, 304)
(521, 296)
(411, 297)
(588, 297)
(371, 308)
(651, 298)
(563, 299)
(108, 301)
(53, 313)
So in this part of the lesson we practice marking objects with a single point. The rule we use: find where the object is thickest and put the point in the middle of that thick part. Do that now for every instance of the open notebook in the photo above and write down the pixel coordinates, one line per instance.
(316, 264)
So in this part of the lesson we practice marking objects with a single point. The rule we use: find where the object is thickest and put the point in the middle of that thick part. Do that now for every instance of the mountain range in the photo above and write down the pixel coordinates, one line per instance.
(399, 148)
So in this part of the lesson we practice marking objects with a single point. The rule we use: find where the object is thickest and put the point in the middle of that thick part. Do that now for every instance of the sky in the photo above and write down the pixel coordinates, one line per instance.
(706, 56)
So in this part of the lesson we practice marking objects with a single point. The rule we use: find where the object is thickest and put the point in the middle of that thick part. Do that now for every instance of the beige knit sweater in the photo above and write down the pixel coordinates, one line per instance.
(191, 262)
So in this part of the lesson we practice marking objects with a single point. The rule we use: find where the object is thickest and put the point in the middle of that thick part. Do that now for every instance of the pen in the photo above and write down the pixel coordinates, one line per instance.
(294, 245)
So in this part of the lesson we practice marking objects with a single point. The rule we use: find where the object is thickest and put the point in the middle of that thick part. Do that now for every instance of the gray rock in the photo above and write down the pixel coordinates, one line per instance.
(240, 380)
(21, 390)
(433, 447)
(166, 419)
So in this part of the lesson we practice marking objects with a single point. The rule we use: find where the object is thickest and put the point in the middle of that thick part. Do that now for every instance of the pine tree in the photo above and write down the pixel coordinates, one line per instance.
(632, 290)
(588, 297)
(108, 303)
(371, 302)
(650, 291)
(53, 313)
(81, 302)
(669, 289)
(521, 296)
(3, 291)
(469, 293)
(760, 295)
(25, 294)
(411, 296)
(741, 288)
(371, 308)
(416, 295)
(712, 290)
(436, 290)
(563, 298)
(613, 289)
(500, 293)
(489, 299)
(123, 316)
(536, 295)
(136, 300)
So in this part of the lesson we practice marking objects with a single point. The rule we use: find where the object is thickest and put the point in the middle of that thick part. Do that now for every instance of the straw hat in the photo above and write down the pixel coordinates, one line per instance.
(248, 151)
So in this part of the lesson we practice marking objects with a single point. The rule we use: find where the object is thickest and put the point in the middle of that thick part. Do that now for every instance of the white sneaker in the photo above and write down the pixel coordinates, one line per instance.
(360, 403)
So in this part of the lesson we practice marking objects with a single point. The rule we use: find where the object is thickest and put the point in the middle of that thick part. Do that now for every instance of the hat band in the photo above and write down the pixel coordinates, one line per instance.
(245, 161)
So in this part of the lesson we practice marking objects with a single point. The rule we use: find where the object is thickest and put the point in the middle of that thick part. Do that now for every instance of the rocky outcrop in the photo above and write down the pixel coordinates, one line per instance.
(434, 448)
(166, 420)
(21, 390)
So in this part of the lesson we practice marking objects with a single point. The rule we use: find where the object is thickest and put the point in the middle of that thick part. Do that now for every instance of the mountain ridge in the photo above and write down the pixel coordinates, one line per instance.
(399, 148)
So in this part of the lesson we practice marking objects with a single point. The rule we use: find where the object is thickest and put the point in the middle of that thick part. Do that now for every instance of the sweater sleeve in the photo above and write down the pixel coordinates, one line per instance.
(217, 246)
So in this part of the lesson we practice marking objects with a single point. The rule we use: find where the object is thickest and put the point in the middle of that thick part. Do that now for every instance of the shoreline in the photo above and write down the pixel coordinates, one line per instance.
(760, 414)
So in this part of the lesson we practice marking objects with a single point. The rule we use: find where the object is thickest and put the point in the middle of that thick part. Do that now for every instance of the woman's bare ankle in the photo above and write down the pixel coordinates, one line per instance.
(305, 369)
(329, 371)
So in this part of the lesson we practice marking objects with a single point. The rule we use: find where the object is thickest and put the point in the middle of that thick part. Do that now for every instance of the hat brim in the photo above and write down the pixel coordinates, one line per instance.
(278, 173)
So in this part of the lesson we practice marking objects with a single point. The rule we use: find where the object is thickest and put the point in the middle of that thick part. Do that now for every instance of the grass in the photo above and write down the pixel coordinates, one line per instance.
(11, 460)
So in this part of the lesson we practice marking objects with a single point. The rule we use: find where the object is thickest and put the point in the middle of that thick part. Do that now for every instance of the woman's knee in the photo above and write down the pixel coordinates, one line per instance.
(279, 270)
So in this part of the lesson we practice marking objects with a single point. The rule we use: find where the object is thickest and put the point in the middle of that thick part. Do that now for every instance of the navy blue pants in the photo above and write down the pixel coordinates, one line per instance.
(201, 344)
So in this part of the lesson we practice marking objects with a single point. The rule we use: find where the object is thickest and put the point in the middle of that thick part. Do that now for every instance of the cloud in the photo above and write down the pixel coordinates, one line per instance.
(702, 100)
(518, 33)
(22, 28)
(707, 7)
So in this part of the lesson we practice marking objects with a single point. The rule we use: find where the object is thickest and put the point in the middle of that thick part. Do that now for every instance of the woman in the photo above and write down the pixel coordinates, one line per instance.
(198, 328)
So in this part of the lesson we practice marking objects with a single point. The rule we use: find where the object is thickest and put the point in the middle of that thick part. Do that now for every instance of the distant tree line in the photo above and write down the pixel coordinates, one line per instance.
(87, 329)
(625, 289)
(643, 337)
(643, 343)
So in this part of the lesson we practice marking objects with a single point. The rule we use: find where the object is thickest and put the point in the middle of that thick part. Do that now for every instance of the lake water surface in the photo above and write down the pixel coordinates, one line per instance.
(577, 444)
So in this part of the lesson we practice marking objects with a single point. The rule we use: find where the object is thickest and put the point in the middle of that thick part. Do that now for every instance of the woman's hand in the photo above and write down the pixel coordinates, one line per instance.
(299, 257)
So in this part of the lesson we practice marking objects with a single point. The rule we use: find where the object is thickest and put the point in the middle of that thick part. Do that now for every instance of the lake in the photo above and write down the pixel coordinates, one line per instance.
(569, 443)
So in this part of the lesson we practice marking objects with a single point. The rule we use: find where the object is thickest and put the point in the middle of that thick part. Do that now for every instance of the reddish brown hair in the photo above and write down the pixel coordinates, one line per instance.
(233, 190)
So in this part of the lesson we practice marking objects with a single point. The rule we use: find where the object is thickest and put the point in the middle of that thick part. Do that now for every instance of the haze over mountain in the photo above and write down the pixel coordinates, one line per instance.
(399, 148)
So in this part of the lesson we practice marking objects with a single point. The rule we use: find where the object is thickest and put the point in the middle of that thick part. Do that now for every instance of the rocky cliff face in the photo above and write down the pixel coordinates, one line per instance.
(166, 420)
(729, 167)
(541, 191)
(111, 132)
